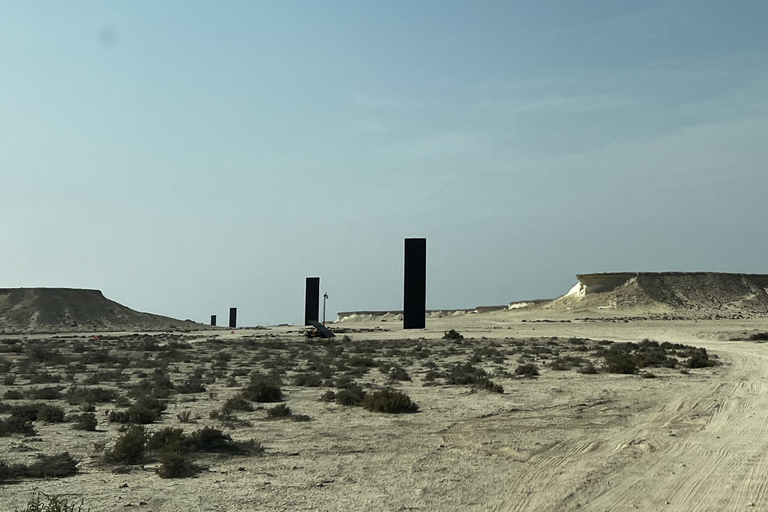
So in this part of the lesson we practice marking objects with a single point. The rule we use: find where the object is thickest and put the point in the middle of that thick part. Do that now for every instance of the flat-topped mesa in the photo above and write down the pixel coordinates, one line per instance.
(608, 281)
(72, 309)
(705, 293)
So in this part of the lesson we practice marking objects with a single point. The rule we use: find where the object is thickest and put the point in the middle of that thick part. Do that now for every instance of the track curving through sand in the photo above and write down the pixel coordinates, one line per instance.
(703, 449)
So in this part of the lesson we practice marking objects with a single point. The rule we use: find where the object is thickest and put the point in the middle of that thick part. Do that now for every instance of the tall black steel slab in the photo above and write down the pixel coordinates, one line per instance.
(233, 317)
(213, 320)
(312, 301)
(415, 288)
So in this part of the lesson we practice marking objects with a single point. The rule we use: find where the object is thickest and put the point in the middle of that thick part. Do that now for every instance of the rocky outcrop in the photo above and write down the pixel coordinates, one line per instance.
(69, 309)
(706, 293)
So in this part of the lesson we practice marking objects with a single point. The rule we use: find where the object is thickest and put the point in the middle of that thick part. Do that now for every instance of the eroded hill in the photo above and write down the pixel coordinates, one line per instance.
(69, 309)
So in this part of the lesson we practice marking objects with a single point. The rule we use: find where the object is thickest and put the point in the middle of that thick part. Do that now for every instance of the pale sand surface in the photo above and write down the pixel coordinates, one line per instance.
(563, 441)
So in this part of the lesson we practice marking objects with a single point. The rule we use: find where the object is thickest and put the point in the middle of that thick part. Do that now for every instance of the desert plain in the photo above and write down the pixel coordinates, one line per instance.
(664, 437)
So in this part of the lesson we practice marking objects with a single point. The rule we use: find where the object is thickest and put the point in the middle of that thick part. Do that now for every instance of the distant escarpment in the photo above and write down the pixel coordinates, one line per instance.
(30, 310)
(695, 294)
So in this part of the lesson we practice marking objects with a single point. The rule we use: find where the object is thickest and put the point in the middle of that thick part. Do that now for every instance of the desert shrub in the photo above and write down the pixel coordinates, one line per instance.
(700, 359)
(185, 417)
(212, 440)
(488, 385)
(300, 417)
(389, 401)
(758, 336)
(193, 384)
(344, 382)
(52, 466)
(52, 503)
(279, 411)
(349, 396)
(453, 335)
(9, 380)
(46, 466)
(143, 411)
(5, 365)
(16, 425)
(39, 353)
(527, 370)
(563, 363)
(328, 396)
(50, 413)
(86, 421)
(106, 376)
(237, 403)
(312, 380)
(431, 375)
(464, 374)
(76, 395)
(175, 465)
(620, 360)
(13, 394)
(26, 412)
(169, 439)
(588, 369)
(263, 389)
(399, 373)
(46, 393)
(129, 447)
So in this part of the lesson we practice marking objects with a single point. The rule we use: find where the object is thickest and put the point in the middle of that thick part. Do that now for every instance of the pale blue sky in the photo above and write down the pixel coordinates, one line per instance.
(185, 157)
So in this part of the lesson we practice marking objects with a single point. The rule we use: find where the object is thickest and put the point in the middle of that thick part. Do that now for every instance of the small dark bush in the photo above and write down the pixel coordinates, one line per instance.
(279, 411)
(185, 417)
(453, 335)
(175, 465)
(86, 421)
(143, 411)
(86, 395)
(50, 414)
(52, 466)
(563, 363)
(168, 439)
(192, 385)
(328, 396)
(398, 373)
(46, 393)
(9, 380)
(16, 425)
(300, 417)
(312, 380)
(129, 448)
(353, 395)
(238, 403)
(759, 336)
(620, 360)
(53, 503)
(263, 390)
(527, 370)
(588, 369)
(13, 394)
(27, 412)
(700, 359)
(389, 401)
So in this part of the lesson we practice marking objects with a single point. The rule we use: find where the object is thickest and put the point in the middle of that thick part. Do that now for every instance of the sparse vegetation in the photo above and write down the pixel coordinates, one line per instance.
(527, 370)
(51, 503)
(389, 401)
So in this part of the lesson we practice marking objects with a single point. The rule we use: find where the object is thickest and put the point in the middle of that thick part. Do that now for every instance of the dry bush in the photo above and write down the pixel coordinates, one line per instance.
(279, 411)
(389, 401)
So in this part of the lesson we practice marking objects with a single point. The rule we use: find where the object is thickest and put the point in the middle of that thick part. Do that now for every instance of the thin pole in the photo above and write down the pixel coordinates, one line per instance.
(325, 298)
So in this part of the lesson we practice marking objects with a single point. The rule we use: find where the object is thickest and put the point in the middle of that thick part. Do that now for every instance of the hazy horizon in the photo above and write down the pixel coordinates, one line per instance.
(188, 157)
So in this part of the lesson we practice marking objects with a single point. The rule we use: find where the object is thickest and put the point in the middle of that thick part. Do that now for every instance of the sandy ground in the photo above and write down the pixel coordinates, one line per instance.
(562, 441)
